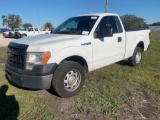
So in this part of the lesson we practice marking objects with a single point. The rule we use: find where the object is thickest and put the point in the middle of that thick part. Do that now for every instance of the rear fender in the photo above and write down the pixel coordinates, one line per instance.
(137, 41)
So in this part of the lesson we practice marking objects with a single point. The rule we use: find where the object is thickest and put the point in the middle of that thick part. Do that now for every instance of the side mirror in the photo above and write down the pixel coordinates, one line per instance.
(106, 32)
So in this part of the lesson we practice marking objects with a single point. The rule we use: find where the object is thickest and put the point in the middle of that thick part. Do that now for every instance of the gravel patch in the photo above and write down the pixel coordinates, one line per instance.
(4, 41)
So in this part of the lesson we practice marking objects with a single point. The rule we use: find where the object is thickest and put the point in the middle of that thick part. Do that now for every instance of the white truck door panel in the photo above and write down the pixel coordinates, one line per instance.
(33, 31)
(108, 50)
(36, 31)
(30, 32)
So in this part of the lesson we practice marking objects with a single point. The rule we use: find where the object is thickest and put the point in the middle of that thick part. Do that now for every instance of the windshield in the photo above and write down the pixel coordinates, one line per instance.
(24, 29)
(77, 25)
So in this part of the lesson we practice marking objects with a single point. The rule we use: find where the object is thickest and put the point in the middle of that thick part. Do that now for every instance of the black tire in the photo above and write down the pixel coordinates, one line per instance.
(17, 35)
(136, 58)
(68, 79)
(23, 35)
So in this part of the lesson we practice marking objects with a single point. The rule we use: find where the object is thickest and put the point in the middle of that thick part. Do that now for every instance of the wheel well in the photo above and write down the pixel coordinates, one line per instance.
(141, 45)
(80, 60)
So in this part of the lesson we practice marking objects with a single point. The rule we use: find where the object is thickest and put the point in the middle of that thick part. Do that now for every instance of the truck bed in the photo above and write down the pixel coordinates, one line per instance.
(135, 29)
(133, 36)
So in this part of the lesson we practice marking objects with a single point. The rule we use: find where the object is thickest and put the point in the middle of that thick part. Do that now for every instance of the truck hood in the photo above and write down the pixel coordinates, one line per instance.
(45, 39)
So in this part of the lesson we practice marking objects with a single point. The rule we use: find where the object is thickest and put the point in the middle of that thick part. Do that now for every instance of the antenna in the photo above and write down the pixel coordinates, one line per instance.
(38, 18)
(106, 6)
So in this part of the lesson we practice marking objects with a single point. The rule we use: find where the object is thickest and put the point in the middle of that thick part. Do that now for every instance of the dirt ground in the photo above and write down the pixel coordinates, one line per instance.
(4, 41)
(140, 107)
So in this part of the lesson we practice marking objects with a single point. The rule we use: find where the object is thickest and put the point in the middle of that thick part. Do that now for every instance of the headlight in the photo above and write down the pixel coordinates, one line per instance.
(36, 59)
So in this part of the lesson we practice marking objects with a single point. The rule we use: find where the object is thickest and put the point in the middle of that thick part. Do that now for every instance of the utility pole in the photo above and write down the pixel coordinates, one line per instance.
(106, 6)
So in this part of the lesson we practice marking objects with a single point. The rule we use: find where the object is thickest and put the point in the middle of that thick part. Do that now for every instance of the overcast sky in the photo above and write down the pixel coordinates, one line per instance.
(56, 11)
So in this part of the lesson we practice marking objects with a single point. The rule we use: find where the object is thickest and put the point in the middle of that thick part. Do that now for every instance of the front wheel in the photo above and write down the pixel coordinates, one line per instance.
(68, 79)
(23, 35)
(136, 58)
(17, 35)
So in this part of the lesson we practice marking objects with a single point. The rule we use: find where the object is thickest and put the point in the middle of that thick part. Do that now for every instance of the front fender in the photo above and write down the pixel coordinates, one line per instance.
(70, 51)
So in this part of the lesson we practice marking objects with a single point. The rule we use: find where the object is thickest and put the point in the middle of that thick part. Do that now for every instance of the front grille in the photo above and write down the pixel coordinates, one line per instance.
(10, 33)
(16, 55)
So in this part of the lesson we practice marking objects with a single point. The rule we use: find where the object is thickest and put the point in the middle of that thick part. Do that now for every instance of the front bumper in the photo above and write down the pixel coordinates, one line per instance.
(5, 35)
(11, 35)
(38, 78)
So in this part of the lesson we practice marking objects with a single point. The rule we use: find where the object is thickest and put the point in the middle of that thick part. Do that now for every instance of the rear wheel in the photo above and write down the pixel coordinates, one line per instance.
(137, 56)
(68, 79)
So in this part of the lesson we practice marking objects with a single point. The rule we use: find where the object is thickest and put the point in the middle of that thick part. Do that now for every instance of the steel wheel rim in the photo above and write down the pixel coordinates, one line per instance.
(72, 80)
(138, 57)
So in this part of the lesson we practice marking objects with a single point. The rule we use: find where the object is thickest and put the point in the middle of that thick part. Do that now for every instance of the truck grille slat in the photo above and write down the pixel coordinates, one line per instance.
(16, 55)
(14, 52)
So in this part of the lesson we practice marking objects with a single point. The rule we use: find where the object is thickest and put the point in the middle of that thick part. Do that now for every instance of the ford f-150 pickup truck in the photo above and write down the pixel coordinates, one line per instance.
(30, 31)
(79, 45)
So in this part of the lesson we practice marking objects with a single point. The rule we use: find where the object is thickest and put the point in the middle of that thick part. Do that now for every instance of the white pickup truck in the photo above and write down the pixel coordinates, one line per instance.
(31, 31)
(79, 45)
(16, 30)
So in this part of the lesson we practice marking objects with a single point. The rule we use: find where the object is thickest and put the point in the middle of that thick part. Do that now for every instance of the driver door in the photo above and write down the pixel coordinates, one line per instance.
(108, 50)
(30, 32)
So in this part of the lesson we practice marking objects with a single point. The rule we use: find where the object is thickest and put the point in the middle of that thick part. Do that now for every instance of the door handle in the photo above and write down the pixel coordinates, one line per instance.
(119, 39)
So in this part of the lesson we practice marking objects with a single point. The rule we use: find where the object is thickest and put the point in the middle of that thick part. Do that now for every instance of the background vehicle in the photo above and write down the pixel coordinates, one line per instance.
(5, 32)
(31, 31)
(16, 34)
(79, 45)
(12, 33)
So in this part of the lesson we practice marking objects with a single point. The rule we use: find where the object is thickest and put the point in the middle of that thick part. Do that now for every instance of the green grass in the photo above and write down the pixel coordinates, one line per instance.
(105, 91)
(109, 88)
(3, 52)
(21, 103)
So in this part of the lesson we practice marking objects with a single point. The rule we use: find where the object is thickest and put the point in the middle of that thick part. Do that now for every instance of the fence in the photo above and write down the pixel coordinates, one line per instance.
(154, 28)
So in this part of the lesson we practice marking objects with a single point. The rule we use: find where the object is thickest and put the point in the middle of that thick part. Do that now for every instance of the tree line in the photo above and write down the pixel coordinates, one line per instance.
(15, 21)
(129, 22)
(132, 21)
(155, 24)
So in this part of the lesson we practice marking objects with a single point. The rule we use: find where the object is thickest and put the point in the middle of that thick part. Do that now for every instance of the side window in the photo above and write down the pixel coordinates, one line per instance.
(36, 29)
(118, 24)
(30, 29)
(108, 22)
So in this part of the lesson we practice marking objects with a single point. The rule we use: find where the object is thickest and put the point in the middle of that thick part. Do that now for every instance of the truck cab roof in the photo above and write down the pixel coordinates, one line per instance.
(100, 14)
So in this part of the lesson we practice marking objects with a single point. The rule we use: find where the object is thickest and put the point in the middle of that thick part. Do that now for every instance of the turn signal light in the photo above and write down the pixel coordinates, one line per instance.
(46, 57)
